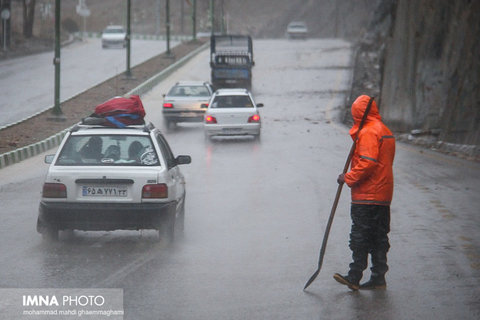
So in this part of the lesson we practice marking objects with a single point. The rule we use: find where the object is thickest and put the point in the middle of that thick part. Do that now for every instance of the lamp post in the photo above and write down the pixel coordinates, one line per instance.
(57, 111)
(128, 72)
(5, 14)
(212, 19)
(194, 20)
(167, 25)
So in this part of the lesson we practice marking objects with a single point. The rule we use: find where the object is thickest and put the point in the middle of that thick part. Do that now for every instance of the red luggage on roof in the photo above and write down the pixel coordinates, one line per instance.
(121, 112)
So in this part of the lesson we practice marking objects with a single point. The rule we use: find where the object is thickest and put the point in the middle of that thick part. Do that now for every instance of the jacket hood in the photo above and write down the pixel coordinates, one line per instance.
(358, 109)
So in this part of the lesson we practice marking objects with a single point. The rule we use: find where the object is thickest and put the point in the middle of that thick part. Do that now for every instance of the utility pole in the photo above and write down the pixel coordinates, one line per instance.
(128, 72)
(6, 15)
(158, 9)
(167, 24)
(222, 25)
(57, 112)
(194, 20)
(212, 19)
(182, 16)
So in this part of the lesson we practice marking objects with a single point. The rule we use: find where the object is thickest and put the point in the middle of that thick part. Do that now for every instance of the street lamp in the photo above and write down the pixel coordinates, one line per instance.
(5, 14)
(128, 73)
(57, 112)
(212, 10)
(167, 25)
(194, 20)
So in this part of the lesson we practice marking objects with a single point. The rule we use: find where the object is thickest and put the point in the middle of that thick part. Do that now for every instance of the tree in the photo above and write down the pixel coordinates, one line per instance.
(28, 17)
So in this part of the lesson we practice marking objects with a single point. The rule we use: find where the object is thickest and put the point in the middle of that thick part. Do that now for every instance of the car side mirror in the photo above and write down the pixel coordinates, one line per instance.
(163, 95)
(183, 159)
(259, 105)
(204, 106)
(49, 158)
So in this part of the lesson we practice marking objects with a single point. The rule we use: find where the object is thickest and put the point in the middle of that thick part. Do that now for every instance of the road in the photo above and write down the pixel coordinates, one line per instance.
(28, 82)
(256, 213)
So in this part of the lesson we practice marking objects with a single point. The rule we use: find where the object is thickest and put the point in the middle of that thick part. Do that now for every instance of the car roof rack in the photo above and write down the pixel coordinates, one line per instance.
(82, 125)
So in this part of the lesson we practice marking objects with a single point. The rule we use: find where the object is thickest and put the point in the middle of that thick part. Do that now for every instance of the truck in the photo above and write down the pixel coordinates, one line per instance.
(231, 61)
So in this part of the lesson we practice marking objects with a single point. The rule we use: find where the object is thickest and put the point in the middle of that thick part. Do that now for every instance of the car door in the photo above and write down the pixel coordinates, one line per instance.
(174, 175)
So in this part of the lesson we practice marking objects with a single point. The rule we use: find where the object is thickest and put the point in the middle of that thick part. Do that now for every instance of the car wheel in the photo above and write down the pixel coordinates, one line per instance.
(50, 234)
(180, 221)
(170, 125)
(166, 232)
(208, 138)
(180, 224)
(166, 123)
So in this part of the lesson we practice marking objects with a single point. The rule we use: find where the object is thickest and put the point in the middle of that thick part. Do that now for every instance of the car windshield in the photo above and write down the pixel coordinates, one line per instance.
(108, 150)
(189, 91)
(232, 102)
(113, 30)
(297, 26)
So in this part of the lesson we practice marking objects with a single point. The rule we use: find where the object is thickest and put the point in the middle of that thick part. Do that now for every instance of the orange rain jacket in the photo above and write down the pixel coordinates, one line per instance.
(371, 175)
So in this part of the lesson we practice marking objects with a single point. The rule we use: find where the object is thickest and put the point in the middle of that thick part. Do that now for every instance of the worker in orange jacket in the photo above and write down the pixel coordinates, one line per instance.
(371, 181)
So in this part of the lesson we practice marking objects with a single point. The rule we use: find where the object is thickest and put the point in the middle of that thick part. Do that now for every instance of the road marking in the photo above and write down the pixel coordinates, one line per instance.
(132, 266)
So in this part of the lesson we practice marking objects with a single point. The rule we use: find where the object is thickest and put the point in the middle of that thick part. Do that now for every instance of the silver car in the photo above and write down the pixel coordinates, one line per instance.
(183, 103)
(232, 112)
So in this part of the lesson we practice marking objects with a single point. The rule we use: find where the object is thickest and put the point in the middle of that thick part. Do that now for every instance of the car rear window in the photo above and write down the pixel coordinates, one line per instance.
(108, 150)
(113, 30)
(187, 91)
(232, 102)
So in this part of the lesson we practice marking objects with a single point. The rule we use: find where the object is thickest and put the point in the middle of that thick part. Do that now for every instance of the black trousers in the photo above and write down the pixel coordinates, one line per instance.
(369, 235)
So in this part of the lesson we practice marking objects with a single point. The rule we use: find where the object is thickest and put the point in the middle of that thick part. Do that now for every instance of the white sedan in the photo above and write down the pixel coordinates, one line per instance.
(114, 36)
(105, 178)
(297, 30)
(232, 112)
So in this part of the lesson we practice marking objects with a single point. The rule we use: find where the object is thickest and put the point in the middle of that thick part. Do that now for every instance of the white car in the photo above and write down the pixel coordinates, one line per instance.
(105, 178)
(232, 112)
(297, 30)
(114, 36)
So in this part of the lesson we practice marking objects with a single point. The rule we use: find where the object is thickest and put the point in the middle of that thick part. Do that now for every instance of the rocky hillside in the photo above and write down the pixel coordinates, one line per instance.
(420, 58)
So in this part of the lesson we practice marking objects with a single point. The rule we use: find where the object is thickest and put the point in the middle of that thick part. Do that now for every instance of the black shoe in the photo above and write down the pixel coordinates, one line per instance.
(374, 283)
(346, 280)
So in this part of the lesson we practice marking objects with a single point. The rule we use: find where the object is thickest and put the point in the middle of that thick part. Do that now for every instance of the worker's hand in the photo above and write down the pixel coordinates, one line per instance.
(341, 178)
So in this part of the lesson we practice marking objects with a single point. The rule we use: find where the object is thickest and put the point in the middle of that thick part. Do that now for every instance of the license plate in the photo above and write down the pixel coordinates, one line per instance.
(190, 114)
(104, 191)
(231, 129)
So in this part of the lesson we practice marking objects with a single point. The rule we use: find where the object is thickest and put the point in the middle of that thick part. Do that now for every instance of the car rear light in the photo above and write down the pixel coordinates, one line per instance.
(54, 190)
(168, 105)
(210, 119)
(155, 191)
(254, 118)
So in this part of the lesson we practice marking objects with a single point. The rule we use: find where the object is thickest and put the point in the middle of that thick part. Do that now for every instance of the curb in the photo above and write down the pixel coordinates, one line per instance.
(51, 142)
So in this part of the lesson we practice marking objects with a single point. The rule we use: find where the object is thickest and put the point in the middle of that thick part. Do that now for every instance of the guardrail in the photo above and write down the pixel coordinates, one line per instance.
(51, 142)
